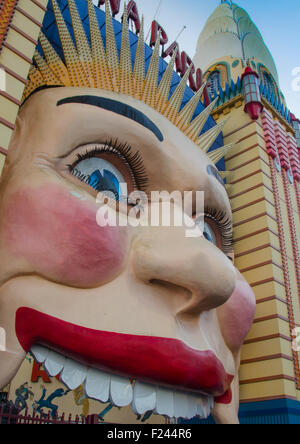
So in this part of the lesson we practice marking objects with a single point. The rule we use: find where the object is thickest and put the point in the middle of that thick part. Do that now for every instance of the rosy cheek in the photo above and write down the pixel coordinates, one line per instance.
(58, 236)
(236, 316)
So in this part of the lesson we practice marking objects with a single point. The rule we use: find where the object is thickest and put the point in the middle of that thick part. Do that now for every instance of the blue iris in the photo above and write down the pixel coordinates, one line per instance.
(105, 182)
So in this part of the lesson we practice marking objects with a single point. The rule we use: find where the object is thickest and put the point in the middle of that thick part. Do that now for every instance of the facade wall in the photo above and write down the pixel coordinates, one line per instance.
(265, 207)
(267, 236)
(20, 23)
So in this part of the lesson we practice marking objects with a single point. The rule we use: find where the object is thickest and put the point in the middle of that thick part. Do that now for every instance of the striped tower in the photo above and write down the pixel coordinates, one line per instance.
(264, 190)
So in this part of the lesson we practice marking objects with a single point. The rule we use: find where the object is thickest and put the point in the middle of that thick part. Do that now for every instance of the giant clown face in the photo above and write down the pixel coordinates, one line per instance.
(144, 315)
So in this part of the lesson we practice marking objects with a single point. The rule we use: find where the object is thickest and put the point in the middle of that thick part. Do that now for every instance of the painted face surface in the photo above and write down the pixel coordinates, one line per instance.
(112, 304)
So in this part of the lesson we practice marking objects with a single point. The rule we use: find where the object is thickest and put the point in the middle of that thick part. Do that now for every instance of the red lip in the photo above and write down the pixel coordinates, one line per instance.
(163, 361)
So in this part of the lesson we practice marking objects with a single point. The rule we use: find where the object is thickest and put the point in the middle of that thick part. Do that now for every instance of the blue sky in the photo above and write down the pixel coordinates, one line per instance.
(277, 20)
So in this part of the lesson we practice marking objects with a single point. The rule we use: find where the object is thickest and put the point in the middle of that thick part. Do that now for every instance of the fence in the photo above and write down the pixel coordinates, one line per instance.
(10, 415)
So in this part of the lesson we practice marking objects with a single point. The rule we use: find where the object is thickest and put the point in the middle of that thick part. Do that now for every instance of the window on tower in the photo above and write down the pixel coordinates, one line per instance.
(214, 83)
(269, 82)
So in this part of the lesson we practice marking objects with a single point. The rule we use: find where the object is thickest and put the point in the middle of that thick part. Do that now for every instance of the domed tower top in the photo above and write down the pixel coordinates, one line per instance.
(230, 37)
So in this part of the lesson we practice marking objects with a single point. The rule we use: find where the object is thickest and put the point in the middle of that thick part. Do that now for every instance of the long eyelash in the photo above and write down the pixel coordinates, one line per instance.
(224, 224)
(124, 151)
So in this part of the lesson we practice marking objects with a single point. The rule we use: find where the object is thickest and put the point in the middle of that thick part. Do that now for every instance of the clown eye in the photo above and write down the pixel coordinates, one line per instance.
(209, 234)
(110, 168)
(218, 230)
(102, 176)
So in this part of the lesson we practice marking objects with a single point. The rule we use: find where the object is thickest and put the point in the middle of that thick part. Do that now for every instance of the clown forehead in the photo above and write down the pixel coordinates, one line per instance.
(56, 121)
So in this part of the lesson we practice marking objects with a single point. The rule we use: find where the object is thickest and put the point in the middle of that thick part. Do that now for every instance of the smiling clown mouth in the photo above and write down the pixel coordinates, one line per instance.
(122, 392)
(155, 374)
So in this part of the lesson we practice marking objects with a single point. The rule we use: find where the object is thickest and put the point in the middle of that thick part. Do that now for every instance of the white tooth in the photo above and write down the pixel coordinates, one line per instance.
(73, 374)
(181, 405)
(203, 408)
(39, 353)
(211, 402)
(97, 385)
(200, 411)
(54, 363)
(121, 392)
(164, 402)
(192, 405)
(144, 397)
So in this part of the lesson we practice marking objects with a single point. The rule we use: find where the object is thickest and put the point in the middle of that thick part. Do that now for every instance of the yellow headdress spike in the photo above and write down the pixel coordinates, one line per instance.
(36, 80)
(150, 90)
(165, 83)
(206, 140)
(48, 75)
(82, 44)
(218, 154)
(125, 58)
(139, 64)
(89, 64)
(111, 49)
(70, 53)
(100, 67)
(198, 123)
(188, 111)
(176, 100)
(54, 62)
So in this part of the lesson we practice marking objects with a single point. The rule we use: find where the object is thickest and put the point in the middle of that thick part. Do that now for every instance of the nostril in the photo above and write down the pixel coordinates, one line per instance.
(178, 294)
(174, 288)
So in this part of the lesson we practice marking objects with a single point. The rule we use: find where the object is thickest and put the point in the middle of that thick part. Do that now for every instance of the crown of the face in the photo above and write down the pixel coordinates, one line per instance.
(95, 65)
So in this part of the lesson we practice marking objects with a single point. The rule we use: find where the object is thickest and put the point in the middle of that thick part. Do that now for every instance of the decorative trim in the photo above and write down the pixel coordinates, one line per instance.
(18, 53)
(7, 11)
(251, 189)
(250, 219)
(297, 191)
(254, 250)
(293, 233)
(268, 378)
(3, 151)
(14, 74)
(277, 115)
(266, 358)
(254, 202)
(239, 129)
(271, 298)
(247, 163)
(249, 175)
(263, 230)
(268, 398)
(43, 8)
(265, 281)
(23, 34)
(7, 123)
(269, 318)
(10, 98)
(284, 257)
(268, 337)
(32, 19)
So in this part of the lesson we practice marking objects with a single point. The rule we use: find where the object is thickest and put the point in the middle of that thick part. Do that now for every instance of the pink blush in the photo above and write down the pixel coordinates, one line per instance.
(59, 238)
(237, 314)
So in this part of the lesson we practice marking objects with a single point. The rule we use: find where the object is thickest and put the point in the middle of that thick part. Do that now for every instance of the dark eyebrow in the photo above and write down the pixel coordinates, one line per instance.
(116, 107)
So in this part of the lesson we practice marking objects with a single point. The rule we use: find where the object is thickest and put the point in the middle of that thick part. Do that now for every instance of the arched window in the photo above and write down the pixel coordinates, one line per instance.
(214, 82)
(269, 82)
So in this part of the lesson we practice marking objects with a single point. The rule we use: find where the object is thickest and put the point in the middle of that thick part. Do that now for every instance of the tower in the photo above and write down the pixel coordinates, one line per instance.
(265, 198)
